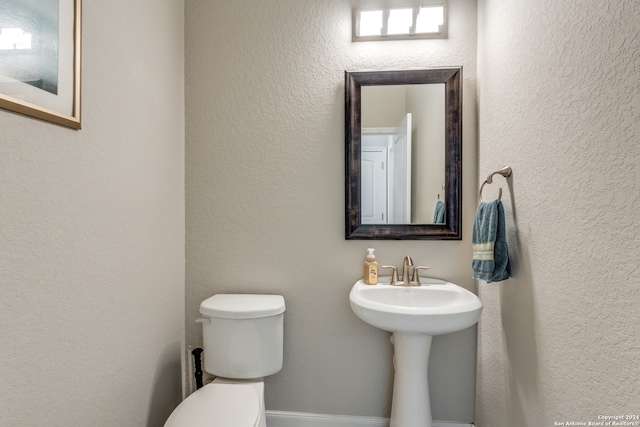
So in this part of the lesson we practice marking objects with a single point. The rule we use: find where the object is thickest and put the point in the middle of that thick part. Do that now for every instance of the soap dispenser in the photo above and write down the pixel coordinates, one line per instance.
(370, 268)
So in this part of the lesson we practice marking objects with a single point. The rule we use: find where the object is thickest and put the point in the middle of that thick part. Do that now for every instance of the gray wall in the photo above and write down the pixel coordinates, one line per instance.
(92, 234)
(559, 96)
(265, 193)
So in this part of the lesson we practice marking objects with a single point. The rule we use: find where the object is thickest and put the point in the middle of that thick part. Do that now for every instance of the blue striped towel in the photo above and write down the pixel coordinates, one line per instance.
(438, 214)
(490, 253)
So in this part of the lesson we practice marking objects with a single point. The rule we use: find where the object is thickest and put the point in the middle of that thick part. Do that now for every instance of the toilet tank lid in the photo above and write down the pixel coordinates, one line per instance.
(242, 306)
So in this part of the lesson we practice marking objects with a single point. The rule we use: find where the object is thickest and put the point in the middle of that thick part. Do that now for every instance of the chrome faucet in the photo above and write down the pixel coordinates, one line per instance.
(407, 262)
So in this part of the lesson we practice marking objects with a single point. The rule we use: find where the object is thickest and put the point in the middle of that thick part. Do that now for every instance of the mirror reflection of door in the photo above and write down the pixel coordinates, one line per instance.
(386, 174)
(400, 185)
(414, 185)
(374, 181)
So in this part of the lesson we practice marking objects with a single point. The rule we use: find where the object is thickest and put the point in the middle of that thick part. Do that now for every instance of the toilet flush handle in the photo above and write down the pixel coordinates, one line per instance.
(206, 320)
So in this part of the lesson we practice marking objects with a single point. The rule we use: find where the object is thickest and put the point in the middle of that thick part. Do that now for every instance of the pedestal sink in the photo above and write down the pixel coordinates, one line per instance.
(414, 314)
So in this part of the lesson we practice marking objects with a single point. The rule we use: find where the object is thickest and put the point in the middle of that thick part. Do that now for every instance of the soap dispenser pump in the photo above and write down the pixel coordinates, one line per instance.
(370, 268)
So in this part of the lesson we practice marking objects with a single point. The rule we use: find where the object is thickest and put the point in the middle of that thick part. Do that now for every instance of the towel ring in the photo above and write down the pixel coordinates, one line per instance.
(505, 171)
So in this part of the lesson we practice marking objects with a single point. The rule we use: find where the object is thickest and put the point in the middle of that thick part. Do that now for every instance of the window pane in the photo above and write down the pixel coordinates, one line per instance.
(429, 19)
(370, 23)
(400, 21)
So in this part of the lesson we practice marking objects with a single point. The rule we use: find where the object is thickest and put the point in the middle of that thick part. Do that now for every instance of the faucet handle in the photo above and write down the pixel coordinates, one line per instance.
(415, 279)
(394, 275)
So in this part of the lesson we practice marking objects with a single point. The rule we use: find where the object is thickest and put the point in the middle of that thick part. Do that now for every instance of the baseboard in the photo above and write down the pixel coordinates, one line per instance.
(301, 419)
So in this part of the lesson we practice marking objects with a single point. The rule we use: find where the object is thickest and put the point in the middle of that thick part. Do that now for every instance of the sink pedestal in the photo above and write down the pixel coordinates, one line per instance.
(410, 406)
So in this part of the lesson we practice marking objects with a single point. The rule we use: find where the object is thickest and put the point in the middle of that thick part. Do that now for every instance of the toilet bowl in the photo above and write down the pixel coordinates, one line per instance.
(222, 403)
(242, 342)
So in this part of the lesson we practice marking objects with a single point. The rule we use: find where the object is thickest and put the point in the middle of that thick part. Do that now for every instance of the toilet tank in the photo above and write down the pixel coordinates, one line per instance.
(242, 335)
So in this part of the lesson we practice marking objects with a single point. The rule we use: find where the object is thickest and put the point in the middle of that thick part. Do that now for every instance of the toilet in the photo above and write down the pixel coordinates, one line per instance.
(242, 343)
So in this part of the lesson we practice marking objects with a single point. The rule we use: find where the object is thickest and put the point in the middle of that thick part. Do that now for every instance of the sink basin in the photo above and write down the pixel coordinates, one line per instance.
(435, 308)
(414, 314)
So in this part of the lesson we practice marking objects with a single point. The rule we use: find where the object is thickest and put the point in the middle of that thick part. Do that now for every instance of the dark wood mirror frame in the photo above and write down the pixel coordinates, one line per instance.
(451, 229)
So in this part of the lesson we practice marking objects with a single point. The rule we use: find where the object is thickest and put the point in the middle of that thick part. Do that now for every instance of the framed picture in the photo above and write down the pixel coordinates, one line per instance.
(40, 59)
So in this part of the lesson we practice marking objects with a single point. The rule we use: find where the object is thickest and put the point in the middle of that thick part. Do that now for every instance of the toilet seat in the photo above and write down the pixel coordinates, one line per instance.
(219, 405)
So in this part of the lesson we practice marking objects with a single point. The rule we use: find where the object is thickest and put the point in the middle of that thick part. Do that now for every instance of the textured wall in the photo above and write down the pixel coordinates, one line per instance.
(559, 96)
(265, 193)
(92, 234)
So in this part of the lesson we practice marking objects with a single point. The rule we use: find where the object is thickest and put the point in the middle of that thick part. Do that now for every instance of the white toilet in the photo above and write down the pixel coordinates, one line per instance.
(242, 343)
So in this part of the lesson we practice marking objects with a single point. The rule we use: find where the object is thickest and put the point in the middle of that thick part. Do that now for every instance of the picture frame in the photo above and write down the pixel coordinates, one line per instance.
(40, 58)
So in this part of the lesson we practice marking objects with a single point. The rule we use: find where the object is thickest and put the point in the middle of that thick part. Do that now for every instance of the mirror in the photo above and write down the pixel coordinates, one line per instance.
(403, 132)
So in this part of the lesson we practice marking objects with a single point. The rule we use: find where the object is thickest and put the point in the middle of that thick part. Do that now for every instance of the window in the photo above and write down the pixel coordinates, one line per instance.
(14, 38)
(422, 21)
